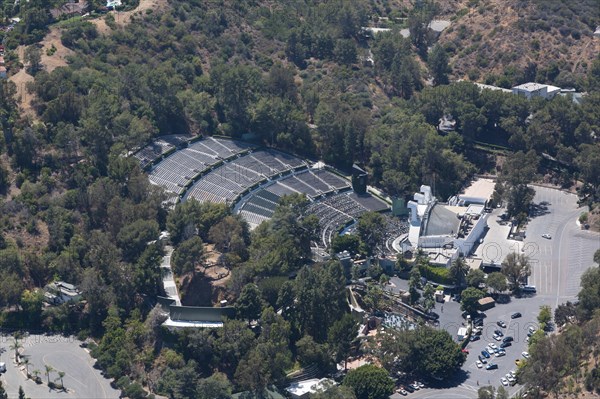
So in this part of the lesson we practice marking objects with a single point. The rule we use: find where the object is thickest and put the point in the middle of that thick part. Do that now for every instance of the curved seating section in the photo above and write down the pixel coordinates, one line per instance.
(222, 171)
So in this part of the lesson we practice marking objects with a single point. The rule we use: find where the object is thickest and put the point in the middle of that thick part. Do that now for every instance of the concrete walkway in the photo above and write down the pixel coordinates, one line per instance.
(168, 279)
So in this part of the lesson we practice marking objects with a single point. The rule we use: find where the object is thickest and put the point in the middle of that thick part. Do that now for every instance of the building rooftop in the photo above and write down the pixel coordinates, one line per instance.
(443, 220)
(531, 86)
(305, 387)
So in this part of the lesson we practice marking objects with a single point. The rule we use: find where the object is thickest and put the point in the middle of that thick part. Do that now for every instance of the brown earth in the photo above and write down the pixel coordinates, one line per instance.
(490, 41)
(122, 18)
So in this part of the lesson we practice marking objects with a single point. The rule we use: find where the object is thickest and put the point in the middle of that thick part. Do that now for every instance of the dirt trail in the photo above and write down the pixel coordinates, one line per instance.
(20, 79)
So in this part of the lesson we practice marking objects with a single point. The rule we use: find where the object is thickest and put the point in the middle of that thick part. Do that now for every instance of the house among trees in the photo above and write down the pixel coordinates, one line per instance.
(530, 90)
(60, 292)
(304, 389)
(70, 7)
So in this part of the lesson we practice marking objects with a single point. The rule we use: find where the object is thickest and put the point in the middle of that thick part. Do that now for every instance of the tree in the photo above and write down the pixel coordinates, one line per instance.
(497, 282)
(134, 237)
(26, 361)
(545, 316)
(419, 19)
(371, 229)
(33, 56)
(217, 386)
(49, 369)
(469, 300)
(597, 256)
(502, 393)
(249, 304)
(516, 268)
(310, 352)
(21, 393)
(3, 394)
(188, 255)
(459, 270)
(518, 170)
(564, 313)
(428, 297)
(414, 283)
(16, 345)
(475, 278)
(485, 392)
(589, 295)
(433, 352)
(61, 375)
(438, 65)
(341, 335)
(370, 382)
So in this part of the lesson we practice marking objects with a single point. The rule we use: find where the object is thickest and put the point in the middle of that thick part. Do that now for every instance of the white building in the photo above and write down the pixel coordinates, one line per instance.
(531, 90)
(303, 389)
(61, 292)
(444, 231)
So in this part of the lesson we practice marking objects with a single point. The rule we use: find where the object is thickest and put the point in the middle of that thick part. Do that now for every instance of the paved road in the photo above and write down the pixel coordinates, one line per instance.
(62, 353)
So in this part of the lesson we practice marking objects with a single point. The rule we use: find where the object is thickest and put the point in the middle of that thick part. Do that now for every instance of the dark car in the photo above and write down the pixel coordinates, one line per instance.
(515, 315)
(508, 339)
(408, 388)
(498, 332)
(505, 344)
(491, 366)
(485, 354)
(474, 338)
(478, 322)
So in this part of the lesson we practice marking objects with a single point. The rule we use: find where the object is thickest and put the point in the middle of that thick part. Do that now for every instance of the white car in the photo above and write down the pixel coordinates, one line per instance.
(504, 381)
(510, 378)
(525, 355)
(479, 364)
(497, 337)
(500, 353)
(547, 236)
(493, 345)
(2, 367)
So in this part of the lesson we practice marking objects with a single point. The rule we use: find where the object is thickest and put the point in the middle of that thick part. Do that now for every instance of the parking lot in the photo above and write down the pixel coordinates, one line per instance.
(557, 265)
(81, 379)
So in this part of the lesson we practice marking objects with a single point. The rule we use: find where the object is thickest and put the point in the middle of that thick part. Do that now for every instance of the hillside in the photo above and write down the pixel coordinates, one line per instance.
(522, 40)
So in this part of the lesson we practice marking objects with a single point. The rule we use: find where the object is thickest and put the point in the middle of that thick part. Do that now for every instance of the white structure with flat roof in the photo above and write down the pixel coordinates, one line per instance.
(444, 231)
(531, 90)
(303, 389)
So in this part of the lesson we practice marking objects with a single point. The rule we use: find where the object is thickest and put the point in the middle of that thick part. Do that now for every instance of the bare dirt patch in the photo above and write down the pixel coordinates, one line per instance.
(122, 18)
(59, 58)
(20, 79)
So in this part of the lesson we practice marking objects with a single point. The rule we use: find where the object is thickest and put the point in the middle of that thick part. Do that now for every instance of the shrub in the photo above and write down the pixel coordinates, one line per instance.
(440, 275)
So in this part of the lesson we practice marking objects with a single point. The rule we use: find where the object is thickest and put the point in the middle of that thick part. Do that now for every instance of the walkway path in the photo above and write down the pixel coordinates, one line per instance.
(168, 278)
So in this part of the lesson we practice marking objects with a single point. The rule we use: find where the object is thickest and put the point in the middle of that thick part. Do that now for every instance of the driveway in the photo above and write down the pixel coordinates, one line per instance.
(81, 379)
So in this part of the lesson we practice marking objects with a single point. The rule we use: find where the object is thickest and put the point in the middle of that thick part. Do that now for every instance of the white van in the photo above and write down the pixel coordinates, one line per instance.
(2, 367)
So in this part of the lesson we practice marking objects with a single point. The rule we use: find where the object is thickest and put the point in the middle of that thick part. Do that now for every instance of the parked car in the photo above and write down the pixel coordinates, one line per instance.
(501, 323)
(401, 391)
(465, 351)
(547, 236)
(2, 367)
(501, 353)
(505, 344)
(415, 387)
(508, 339)
(474, 338)
(486, 354)
(517, 361)
(497, 337)
(504, 381)
(515, 315)
(409, 389)
(491, 366)
(479, 364)
(493, 345)
(525, 355)
(498, 332)
(482, 359)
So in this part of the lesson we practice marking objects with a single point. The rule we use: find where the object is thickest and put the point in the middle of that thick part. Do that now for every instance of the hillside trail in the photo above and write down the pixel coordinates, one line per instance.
(20, 79)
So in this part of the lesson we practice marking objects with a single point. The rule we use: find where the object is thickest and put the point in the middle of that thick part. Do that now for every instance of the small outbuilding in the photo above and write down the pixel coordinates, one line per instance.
(486, 303)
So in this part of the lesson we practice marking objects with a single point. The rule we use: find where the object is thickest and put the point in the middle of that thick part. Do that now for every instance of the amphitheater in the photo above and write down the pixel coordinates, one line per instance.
(251, 180)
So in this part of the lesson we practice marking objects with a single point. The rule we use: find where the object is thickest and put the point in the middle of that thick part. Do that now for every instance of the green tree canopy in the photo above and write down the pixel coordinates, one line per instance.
(370, 382)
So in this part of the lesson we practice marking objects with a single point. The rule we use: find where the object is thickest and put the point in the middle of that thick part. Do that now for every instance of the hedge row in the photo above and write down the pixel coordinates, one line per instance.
(439, 275)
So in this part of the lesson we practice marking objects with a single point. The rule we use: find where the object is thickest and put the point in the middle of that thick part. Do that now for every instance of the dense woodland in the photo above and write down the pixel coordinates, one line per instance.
(290, 75)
